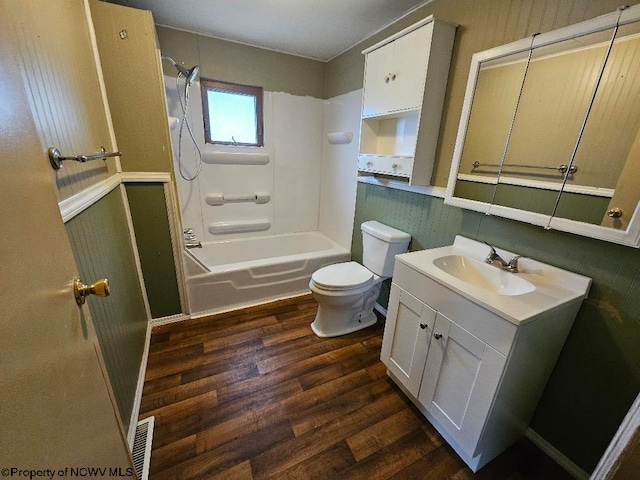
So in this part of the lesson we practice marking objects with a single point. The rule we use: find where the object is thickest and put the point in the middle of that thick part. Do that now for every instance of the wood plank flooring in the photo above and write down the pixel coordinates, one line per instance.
(254, 394)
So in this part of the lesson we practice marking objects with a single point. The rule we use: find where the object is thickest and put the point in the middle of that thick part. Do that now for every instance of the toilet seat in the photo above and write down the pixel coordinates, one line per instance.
(341, 277)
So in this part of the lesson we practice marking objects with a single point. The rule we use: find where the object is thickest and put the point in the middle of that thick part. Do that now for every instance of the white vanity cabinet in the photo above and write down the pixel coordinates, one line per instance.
(476, 375)
(404, 86)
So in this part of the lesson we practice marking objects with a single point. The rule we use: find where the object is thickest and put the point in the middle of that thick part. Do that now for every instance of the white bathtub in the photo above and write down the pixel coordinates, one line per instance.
(238, 273)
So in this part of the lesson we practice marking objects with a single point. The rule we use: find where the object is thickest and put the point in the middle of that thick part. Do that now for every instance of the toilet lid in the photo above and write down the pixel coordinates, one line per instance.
(342, 276)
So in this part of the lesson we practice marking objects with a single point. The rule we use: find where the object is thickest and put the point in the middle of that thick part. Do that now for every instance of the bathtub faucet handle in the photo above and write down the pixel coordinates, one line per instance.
(188, 231)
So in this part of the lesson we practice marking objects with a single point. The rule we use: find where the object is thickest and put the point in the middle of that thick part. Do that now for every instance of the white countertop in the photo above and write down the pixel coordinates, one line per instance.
(553, 286)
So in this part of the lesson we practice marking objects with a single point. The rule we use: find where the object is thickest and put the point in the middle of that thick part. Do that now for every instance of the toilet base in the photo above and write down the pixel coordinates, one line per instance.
(354, 327)
(342, 315)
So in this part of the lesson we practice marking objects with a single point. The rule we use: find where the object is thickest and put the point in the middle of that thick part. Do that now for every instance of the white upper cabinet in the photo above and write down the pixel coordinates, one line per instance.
(395, 73)
(404, 86)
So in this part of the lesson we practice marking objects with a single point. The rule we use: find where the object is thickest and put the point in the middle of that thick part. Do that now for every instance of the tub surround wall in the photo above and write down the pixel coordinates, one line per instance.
(293, 144)
(340, 168)
(297, 162)
(302, 163)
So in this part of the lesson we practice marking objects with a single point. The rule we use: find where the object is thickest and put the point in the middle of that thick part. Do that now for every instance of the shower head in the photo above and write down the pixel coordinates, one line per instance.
(189, 74)
(192, 74)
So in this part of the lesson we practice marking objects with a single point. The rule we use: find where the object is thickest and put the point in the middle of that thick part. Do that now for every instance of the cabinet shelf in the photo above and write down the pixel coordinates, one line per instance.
(393, 114)
(389, 135)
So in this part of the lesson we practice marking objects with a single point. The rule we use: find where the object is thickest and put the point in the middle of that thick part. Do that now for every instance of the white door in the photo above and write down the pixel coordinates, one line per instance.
(406, 338)
(460, 380)
(56, 410)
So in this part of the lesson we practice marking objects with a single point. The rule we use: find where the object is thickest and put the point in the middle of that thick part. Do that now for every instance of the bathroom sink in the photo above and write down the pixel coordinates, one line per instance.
(482, 275)
(521, 297)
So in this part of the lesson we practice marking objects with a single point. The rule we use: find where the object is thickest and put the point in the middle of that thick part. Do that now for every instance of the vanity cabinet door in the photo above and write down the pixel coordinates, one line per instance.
(407, 334)
(460, 380)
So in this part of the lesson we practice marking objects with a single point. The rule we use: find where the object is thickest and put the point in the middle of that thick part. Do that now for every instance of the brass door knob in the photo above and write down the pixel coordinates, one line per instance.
(615, 212)
(100, 288)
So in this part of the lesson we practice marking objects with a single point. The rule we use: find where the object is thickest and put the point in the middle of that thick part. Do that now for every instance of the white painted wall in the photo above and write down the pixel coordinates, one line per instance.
(312, 183)
(338, 182)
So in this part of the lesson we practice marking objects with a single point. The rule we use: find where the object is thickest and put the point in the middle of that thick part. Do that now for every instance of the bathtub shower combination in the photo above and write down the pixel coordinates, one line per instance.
(266, 217)
(242, 272)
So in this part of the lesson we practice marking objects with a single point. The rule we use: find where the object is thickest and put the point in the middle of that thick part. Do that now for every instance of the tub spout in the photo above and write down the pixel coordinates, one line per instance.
(193, 244)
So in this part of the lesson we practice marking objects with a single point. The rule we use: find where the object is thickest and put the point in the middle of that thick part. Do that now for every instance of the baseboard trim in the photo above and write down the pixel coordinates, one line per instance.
(180, 317)
(135, 411)
(556, 455)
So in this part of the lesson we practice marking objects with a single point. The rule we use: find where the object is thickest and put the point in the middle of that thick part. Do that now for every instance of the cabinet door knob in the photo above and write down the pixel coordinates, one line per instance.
(614, 212)
(394, 166)
(437, 336)
(369, 163)
(423, 326)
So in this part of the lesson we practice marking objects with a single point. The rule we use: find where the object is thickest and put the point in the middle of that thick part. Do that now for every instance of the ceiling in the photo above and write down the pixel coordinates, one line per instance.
(319, 29)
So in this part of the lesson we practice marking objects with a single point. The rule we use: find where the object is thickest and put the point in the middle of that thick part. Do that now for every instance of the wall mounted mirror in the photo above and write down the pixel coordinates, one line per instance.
(549, 132)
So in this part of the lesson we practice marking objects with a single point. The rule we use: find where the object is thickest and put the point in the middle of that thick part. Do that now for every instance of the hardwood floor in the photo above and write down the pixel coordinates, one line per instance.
(254, 394)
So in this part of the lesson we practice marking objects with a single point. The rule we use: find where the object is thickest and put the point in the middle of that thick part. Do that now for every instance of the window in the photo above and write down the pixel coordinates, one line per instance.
(232, 113)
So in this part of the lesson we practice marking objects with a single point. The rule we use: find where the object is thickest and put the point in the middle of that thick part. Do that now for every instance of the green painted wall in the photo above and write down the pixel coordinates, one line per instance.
(238, 63)
(597, 376)
(153, 237)
(102, 248)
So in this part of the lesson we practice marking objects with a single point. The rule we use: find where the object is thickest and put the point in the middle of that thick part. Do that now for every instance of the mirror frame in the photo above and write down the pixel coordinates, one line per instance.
(630, 236)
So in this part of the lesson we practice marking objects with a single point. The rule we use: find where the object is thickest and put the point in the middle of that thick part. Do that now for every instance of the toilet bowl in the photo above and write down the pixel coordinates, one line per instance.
(347, 292)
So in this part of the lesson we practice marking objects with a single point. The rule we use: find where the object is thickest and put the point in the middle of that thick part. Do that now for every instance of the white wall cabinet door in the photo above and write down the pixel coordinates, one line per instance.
(406, 338)
(395, 74)
(408, 69)
(460, 380)
(376, 87)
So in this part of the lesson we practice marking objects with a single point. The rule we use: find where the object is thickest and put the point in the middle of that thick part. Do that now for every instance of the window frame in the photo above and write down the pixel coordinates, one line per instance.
(207, 84)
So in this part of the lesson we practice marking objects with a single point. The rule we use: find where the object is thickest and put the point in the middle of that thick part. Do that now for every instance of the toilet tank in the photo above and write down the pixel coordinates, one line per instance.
(380, 245)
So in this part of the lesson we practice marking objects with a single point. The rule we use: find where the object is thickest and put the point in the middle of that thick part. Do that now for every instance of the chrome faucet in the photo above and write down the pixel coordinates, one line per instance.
(190, 240)
(494, 258)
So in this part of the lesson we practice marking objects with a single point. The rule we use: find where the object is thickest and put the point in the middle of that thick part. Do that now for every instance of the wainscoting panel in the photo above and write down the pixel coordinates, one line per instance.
(102, 248)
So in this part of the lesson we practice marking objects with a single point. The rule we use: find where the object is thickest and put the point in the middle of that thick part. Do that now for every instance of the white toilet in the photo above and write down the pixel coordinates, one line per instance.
(346, 292)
